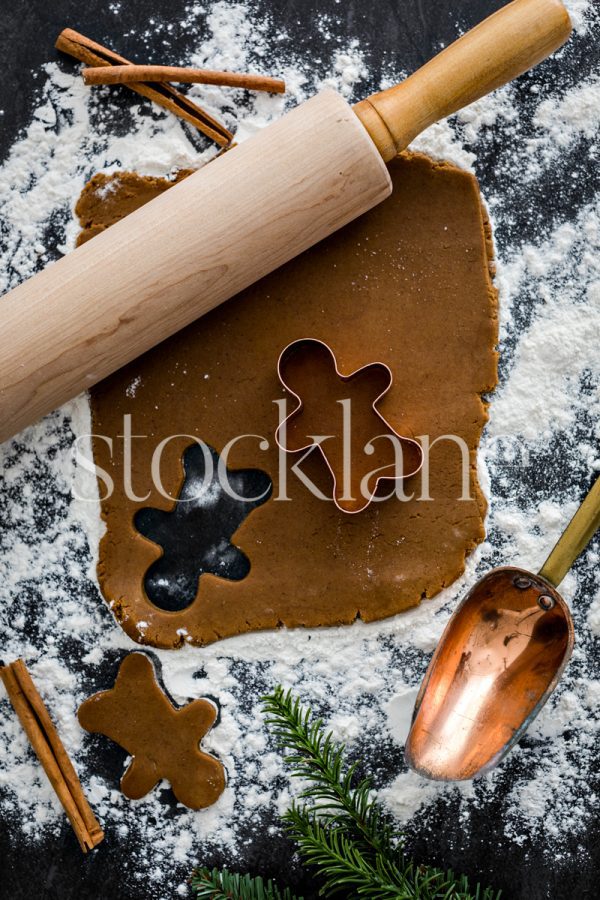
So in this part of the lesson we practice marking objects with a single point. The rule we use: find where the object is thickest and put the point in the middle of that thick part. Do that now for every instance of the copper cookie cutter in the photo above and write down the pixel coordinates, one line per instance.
(314, 363)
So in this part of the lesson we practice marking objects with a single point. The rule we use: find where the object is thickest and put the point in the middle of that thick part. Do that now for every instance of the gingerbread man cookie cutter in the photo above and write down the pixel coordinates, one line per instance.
(313, 362)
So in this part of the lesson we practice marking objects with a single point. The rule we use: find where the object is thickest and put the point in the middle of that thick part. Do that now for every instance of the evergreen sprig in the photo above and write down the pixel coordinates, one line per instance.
(332, 793)
(218, 884)
(340, 828)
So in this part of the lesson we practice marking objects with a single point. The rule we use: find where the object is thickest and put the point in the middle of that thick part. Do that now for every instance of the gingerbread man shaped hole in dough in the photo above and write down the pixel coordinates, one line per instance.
(196, 536)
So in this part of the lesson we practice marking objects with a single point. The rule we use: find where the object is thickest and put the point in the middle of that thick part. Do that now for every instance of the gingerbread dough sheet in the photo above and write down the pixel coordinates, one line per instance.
(408, 284)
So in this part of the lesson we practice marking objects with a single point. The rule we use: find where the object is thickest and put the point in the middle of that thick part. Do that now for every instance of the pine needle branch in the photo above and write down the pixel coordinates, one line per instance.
(224, 885)
(340, 828)
(341, 863)
(331, 793)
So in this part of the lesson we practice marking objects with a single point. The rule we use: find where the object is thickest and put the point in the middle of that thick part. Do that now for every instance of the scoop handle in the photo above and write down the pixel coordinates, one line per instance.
(503, 46)
(579, 532)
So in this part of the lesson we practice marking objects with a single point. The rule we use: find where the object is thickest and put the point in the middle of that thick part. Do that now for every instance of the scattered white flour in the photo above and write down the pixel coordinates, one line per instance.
(543, 432)
(566, 118)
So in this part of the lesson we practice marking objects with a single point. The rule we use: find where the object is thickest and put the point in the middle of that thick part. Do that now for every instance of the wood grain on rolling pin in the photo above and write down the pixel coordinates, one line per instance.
(170, 262)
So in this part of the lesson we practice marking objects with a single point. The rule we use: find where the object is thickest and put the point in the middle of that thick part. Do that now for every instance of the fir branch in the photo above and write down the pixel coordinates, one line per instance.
(225, 885)
(348, 871)
(340, 828)
(339, 859)
(331, 793)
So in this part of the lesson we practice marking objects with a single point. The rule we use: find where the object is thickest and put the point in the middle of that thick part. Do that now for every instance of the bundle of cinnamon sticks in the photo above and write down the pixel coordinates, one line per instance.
(107, 67)
(50, 751)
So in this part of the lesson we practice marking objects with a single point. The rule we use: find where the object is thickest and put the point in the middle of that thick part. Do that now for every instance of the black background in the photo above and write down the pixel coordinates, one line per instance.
(404, 33)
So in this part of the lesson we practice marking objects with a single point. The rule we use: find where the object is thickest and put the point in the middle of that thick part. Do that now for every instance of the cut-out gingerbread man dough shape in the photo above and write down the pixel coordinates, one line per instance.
(163, 741)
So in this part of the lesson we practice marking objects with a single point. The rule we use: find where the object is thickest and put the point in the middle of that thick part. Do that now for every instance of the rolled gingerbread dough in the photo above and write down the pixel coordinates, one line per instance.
(408, 284)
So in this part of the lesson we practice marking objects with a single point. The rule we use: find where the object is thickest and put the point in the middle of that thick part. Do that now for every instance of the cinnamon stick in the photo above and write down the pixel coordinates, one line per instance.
(93, 54)
(129, 74)
(51, 753)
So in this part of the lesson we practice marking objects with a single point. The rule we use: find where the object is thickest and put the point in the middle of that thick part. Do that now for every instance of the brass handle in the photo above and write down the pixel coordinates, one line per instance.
(579, 532)
(503, 46)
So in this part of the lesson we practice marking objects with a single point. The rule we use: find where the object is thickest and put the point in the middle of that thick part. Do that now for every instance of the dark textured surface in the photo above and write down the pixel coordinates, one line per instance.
(402, 34)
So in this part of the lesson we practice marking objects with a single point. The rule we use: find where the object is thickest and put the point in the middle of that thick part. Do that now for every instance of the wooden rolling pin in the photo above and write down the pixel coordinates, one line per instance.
(245, 214)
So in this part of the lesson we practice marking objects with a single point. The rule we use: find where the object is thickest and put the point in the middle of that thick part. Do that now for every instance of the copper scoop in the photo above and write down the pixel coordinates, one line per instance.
(499, 659)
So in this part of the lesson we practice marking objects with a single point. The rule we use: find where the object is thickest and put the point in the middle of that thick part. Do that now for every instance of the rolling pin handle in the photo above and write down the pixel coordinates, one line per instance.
(508, 43)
